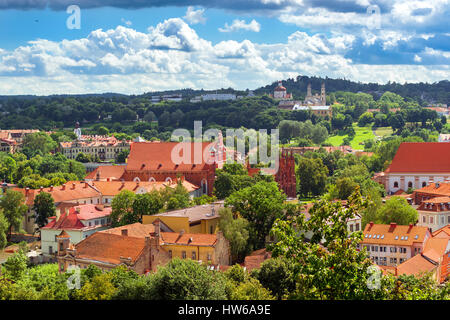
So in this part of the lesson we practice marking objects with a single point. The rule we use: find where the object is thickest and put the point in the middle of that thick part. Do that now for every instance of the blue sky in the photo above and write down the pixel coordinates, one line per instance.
(137, 46)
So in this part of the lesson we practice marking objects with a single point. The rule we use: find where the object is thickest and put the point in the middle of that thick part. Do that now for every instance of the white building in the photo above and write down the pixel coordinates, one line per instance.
(218, 96)
(434, 213)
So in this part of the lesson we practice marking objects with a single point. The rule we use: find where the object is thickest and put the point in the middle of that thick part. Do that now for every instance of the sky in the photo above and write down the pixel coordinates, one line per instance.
(137, 46)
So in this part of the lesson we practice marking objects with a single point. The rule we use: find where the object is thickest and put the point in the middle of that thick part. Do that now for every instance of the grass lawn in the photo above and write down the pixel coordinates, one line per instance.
(384, 131)
(361, 134)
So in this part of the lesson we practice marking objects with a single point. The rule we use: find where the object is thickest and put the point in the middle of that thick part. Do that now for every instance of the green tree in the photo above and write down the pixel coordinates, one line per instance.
(187, 280)
(235, 230)
(99, 288)
(3, 231)
(250, 289)
(122, 156)
(38, 143)
(345, 187)
(16, 265)
(147, 204)
(44, 207)
(260, 204)
(397, 209)
(14, 209)
(277, 275)
(122, 209)
(311, 176)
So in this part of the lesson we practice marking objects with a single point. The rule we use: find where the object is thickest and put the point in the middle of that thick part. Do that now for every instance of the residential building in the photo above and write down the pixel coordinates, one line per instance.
(140, 251)
(78, 222)
(7, 145)
(78, 192)
(431, 191)
(218, 96)
(104, 147)
(416, 165)
(434, 259)
(392, 244)
(199, 219)
(434, 213)
(110, 189)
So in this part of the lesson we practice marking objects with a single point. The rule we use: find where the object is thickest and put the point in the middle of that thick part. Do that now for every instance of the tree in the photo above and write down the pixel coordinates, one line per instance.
(251, 289)
(122, 212)
(3, 231)
(260, 204)
(83, 158)
(329, 266)
(122, 156)
(14, 209)
(147, 204)
(277, 275)
(187, 280)
(38, 143)
(365, 119)
(16, 265)
(99, 288)
(235, 230)
(345, 187)
(397, 209)
(44, 207)
(311, 176)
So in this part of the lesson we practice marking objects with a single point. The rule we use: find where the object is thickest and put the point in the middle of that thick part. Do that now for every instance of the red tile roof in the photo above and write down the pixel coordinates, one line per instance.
(193, 239)
(105, 172)
(425, 157)
(442, 190)
(392, 234)
(415, 265)
(112, 188)
(72, 220)
(254, 260)
(442, 232)
(108, 247)
(137, 230)
(158, 156)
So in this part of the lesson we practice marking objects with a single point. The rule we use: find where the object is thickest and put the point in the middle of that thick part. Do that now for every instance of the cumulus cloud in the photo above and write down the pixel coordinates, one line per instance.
(238, 25)
(194, 16)
(171, 55)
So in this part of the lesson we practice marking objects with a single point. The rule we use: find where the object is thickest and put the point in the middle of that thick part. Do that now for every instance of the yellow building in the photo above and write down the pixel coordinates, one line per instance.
(199, 219)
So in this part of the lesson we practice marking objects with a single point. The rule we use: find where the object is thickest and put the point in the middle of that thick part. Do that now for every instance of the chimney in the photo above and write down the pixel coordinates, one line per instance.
(157, 226)
(41, 189)
(410, 228)
(63, 187)
(73, 185)
(125, 232)
(51, 188)
(27, 190)
(85, 184)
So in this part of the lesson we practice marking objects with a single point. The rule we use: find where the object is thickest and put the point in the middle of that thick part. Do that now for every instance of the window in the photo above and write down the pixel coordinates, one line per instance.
(208, 257)
(170, 254)
(194, 255)
(431, 220)
(424, 219)
(183, 255)
(448, 219)
(424, 184)
(410, 184)
(211, 229)
(395, 184)
(50, 249)
(357, 227)
(351, 228)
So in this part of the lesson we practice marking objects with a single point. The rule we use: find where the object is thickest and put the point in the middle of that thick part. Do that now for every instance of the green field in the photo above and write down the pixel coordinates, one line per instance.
(383, 131)
(361, 134)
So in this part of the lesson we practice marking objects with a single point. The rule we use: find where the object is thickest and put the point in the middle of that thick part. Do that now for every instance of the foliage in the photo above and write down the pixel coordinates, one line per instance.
(251, 289)
(16, 265)
(277, 275)
(311, 176)
(397, 209)
(14, 208)
(44, 207)
(260, 204)
(122, 213)
(236, 231)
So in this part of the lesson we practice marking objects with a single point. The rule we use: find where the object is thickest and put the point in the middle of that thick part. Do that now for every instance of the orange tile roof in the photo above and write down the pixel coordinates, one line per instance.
(415, 265)
(112, 188)
(392, 234)
(106, 247)
(442, 190)
(137, 230)
(425, 157)
(254, 260)
(72, 220)
(192, 239)
(158, 156)
(442, 232)
(70, 191)
(105, 172)
(438, 200)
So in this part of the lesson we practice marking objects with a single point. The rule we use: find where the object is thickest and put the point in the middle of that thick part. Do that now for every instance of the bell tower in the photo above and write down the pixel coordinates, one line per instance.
(323, 95)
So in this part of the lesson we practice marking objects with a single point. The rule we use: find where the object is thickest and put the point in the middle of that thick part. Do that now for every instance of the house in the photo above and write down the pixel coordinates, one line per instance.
(104, 147)
(416, 165)
(106, 251)
(198, 219)
(434, 213)
(110, 189)
(256, 258)
(392, 244)
(435, 258)
(78, 192)
(78, 222)
(105, 173)
(141, 249)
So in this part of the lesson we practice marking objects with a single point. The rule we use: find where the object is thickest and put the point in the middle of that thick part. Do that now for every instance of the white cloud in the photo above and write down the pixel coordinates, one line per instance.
(241, 25)
(194, 16)
(172, 55)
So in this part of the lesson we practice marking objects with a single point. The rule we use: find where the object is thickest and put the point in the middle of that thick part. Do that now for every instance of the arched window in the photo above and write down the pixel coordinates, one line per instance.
(204, 186)
(152, 179)
(395, 184)
(169, 179)
(424, 184)
(136, 179)
(410, 184)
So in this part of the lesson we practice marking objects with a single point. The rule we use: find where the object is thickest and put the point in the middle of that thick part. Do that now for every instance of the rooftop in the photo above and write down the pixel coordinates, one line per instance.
(196, 213)
(424, 157)
(72, 219)
(137, 230)
(393, 234)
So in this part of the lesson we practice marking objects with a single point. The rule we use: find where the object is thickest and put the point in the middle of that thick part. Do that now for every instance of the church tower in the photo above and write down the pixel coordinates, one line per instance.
(308, 90)
(323, 95)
